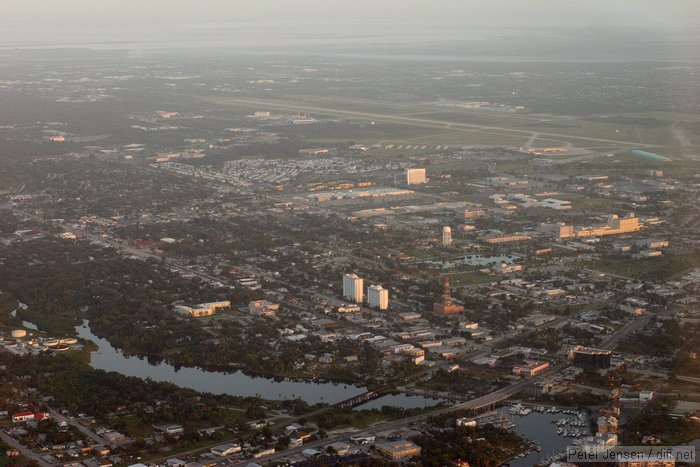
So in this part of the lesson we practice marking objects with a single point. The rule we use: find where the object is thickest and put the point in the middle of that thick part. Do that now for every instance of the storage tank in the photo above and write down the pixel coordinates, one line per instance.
(19, 333)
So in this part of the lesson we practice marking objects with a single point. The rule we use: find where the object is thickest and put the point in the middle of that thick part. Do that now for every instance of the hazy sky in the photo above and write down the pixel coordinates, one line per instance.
(56, 22)
(652, 13)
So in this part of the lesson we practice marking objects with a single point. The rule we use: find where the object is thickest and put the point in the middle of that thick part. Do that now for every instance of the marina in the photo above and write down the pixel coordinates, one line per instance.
(550, 429)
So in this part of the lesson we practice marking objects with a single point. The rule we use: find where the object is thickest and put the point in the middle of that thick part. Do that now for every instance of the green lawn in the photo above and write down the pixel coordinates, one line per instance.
(652, 269)
(472, 277)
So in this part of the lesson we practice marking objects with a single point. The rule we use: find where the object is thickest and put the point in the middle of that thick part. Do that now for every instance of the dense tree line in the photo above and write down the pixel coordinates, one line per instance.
(655, 420)
(482, 445)
(76, 386)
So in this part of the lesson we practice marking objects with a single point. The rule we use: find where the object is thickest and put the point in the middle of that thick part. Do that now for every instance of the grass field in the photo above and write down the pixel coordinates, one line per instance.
(471, 277)
(657, 269)
(463, 126)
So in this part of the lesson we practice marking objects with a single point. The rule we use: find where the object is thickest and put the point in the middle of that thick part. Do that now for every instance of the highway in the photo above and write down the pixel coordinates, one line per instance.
(489, 399)
(483, 401)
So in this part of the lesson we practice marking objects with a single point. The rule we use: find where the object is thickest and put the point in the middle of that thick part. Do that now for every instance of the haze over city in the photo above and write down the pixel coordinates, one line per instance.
(333, 233)
(333, 27)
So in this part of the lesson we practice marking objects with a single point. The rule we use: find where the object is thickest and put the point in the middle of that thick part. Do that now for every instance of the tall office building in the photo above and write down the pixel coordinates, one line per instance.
(446, 236)
(352, 288)
(378, 297)
(415, 176)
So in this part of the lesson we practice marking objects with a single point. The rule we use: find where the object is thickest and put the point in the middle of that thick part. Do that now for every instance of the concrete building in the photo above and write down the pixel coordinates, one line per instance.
(650, 461)
(599, 443)
(446, 236)
(263, 308)
(615, 226)
(592, 359)
(353, 288)
(203, 309)
(607, 425)
(558, 230)
(471, 214)
(225, 449)
(396, 450)
(351, 308)
(22, 417)
(415, 176)
(496, 240)
(530, 368)
(378, 297)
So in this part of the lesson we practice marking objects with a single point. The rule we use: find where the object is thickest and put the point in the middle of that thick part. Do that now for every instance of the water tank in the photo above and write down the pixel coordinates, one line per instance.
(19, 333)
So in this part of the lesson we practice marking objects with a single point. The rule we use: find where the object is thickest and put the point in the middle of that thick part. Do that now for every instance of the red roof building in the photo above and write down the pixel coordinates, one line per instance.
(22, 417)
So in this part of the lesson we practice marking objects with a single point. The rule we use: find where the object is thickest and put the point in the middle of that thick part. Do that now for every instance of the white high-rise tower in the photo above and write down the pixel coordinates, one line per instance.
(353, 288)
(446, 236)
(378, 296)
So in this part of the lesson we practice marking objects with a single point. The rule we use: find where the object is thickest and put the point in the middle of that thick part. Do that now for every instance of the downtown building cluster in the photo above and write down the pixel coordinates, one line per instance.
(353, 290)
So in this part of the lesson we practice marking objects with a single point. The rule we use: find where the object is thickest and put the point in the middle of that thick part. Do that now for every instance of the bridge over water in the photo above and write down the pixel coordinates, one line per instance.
(365, 397)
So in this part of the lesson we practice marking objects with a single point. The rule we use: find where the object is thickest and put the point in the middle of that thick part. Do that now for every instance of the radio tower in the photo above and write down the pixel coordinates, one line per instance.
(447, 307)
(447, 291)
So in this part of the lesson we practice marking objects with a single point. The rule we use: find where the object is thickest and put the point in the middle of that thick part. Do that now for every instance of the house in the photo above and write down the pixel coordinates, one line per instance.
(341, 449)
(289, 429)
(310, 453)
(466, 421)
(175, 462)
(171, 429)
(114, 437)
(100, 450)
(97, 462)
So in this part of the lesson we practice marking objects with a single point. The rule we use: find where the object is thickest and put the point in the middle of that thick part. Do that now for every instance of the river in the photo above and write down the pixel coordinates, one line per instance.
(235, 383)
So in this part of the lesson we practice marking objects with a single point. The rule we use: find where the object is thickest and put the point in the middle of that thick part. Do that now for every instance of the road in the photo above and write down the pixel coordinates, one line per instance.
(488, 399)
(26, 452)
(83, 429)
(666, 375)
(631, 327)
(145, 254)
